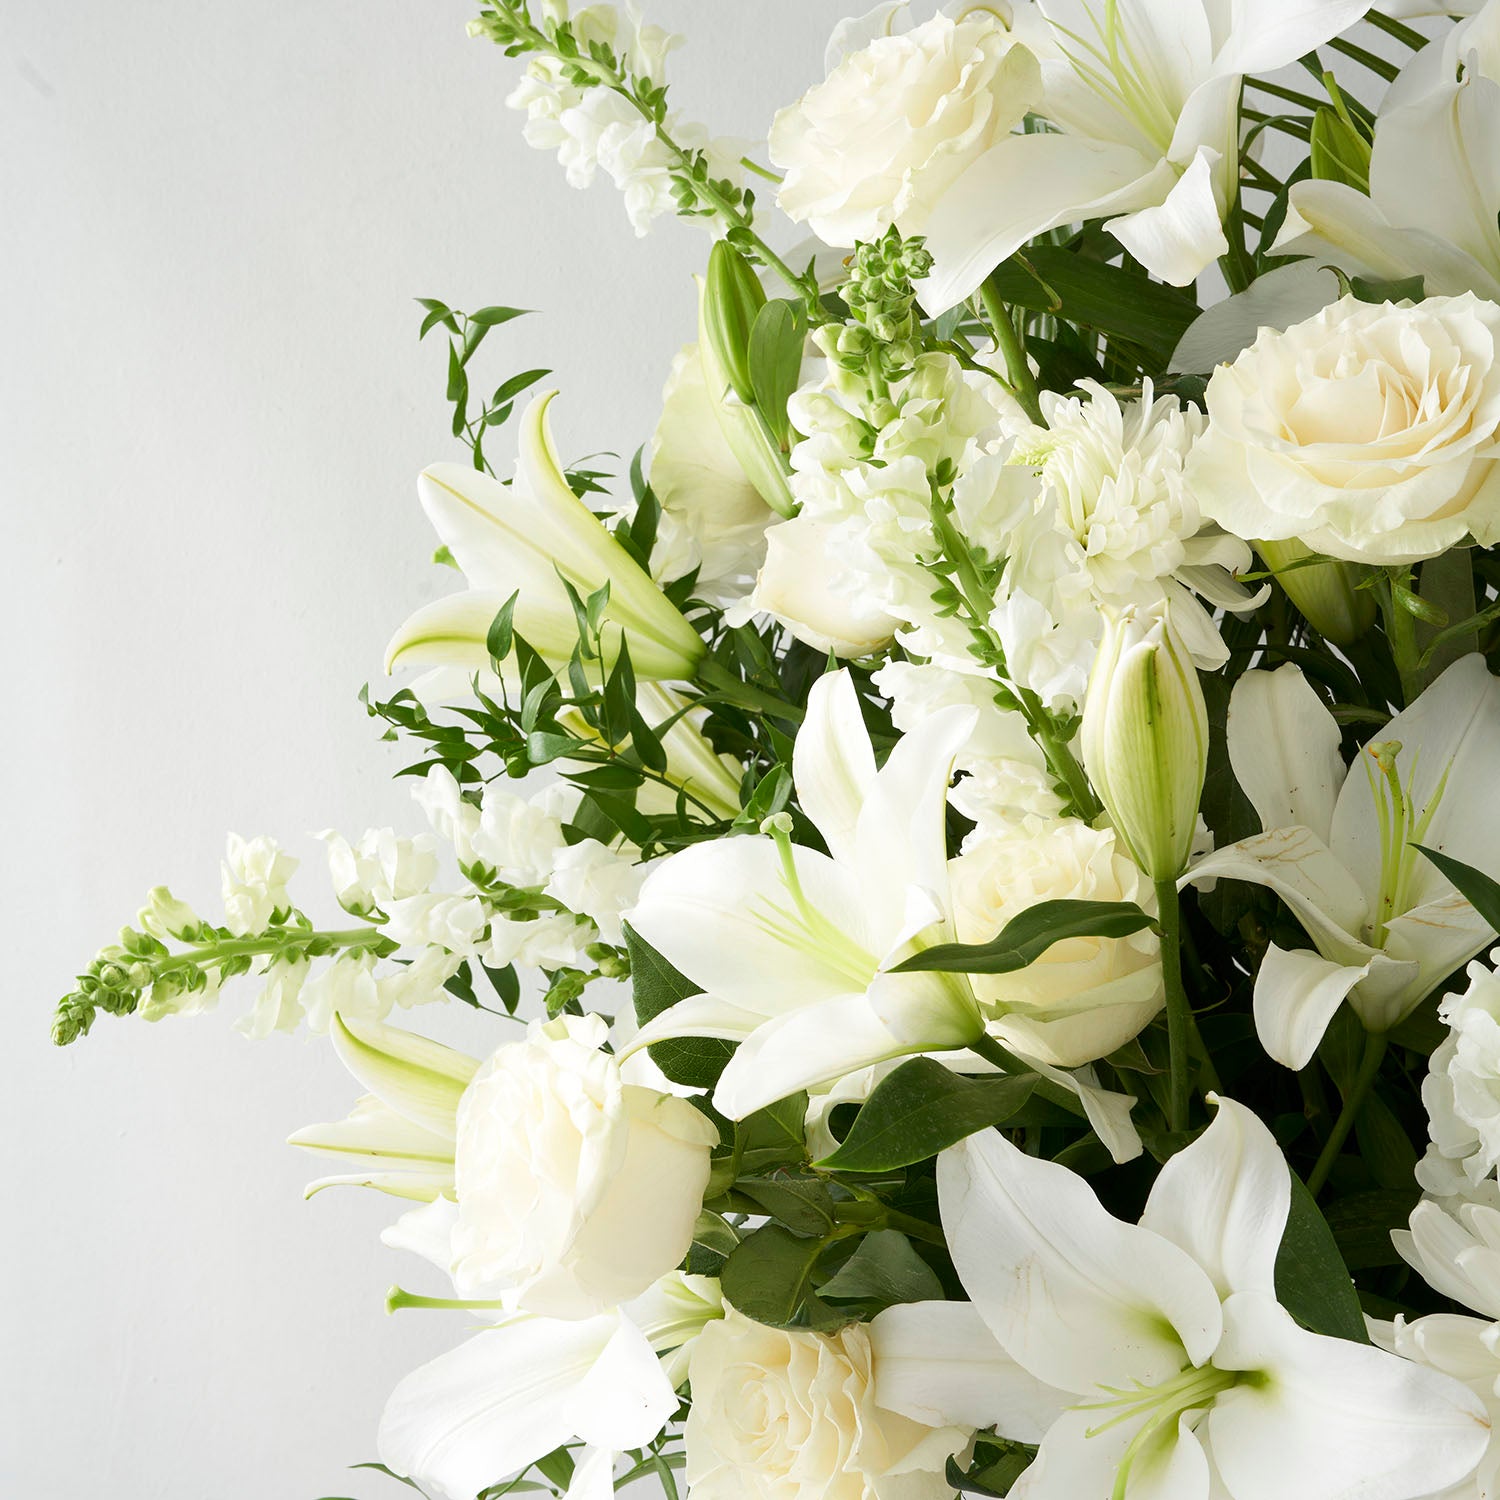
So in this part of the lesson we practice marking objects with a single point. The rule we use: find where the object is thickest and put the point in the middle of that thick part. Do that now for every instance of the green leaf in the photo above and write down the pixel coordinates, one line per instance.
(1028, 936)
(1403, 289)
(884, 1270)
(772, 1136)
(715, 1233)
(501, 637)
(776, 341)
(1482, 893)
(998, 1463)
(1312, 1281)
(803, 1204)
(488, 317)
(693, 1061)
(1099, 296)
(769, 1278)
(923, 1108)
(515, 385)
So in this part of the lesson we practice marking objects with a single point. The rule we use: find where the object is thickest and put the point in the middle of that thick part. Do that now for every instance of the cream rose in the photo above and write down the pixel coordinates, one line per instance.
(791, 1415)
(1085, 996)
(885, 135)
(1368, 433)
(576, 1191)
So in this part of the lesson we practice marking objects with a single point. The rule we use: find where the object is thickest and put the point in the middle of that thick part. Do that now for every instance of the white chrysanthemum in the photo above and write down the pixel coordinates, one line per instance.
(1462, 1087)
(1113, 526)
(1085, 996)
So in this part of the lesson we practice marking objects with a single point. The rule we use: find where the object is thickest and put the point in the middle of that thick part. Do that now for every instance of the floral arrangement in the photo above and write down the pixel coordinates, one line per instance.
(1007, 891)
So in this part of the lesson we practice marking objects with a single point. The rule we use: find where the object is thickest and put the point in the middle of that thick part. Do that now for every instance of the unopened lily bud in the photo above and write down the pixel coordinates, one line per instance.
(1339, 149)
(1145, 739)
(732, 297)
(1325, 590)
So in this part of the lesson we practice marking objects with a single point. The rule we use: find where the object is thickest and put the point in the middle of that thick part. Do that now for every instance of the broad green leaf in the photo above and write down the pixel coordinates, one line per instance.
(1362, 1224)
(997, 1464)
(715, 1233)
(922, 1109)
(803, 1204)
(1028, 936)
(1482, 893)
(1100, 296)
(772, 1136)
(693, 1061)
(769, 1279)
(884, 1270)
(489, 317)
(1312, 1281)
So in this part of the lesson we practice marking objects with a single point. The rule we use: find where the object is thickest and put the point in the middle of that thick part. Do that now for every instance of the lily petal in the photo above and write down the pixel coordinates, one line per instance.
(833, 764)
(421, 1080)
(1269, 34)
(511, 1394)
(1224, 1199)
(1176, 238)
(1296, 994)
(937, 1363)
(1330, 1419)
(1073, 1295)
(1284, 748)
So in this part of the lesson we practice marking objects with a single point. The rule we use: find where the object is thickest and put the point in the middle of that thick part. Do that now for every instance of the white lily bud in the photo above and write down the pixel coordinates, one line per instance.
(1323, 588)
(1145, 739)
(528, 536)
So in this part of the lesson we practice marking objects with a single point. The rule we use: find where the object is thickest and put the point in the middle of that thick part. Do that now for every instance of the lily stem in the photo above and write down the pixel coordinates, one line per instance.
(1354, 1100)
(1018, 368)
(1179, 1011)
(1401, 632)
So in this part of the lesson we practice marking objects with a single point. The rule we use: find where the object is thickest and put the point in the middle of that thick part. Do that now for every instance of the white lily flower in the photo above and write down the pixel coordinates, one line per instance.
(791, 946)
(400, 1137)
(529, 536)
(1434, 176)
(514, 1392)
(1153, 1359)
(1145, 95)
(1338, 847)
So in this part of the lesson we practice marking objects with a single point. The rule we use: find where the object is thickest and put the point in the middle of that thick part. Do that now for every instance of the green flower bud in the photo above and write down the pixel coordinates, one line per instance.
(732, 298)
(1145, 740)
(1340, 150)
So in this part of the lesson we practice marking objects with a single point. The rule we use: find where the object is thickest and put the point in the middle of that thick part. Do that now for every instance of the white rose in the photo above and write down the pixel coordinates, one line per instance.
(807, 583)
(576, 1191)
(1368, 432)
(1462, 1087)
(712, 516)
(885, 135)
(790, 1415)
(1083, 997)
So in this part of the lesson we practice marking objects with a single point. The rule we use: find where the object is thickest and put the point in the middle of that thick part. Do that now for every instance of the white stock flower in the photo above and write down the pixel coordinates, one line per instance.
(1434, 187)
(793, 1414)
(1113, 525)
(345, 987)
(556, 940)
(1085, 996)
(255, 873)
(576, 1191)
(1145, 98)
(712, 516)
(599, 883)
(1367, 433)
(1338, 846)
(381, 867)
(885, 135)
(530, 536)
(455, 923)
(1462, 1089)
(1154, 1359)
(419, 982)
(278, 1007)
(521, 836)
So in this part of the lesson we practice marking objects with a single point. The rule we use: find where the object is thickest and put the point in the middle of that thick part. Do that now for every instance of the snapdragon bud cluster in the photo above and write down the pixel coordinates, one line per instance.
(881, 298)
(114, 983)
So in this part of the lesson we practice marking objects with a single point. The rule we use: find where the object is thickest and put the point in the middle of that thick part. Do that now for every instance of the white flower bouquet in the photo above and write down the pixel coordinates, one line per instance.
(980, 848)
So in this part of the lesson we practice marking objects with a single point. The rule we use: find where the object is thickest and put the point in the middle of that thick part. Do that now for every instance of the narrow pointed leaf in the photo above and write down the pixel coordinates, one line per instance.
(1026, 937)
(1482, 893)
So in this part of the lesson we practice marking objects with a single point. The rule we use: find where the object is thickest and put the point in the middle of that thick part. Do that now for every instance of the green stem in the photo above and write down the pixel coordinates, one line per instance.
(1179, 1011)
(274, 941)
(1365, 58)
(1008, 341)
(1392, 27)
(991, 1051)
(1364, 1079)
(1060, 758)
(1401, 632)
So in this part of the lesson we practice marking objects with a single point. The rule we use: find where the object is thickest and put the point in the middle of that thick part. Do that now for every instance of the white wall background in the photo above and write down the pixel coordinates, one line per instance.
(212, 410)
